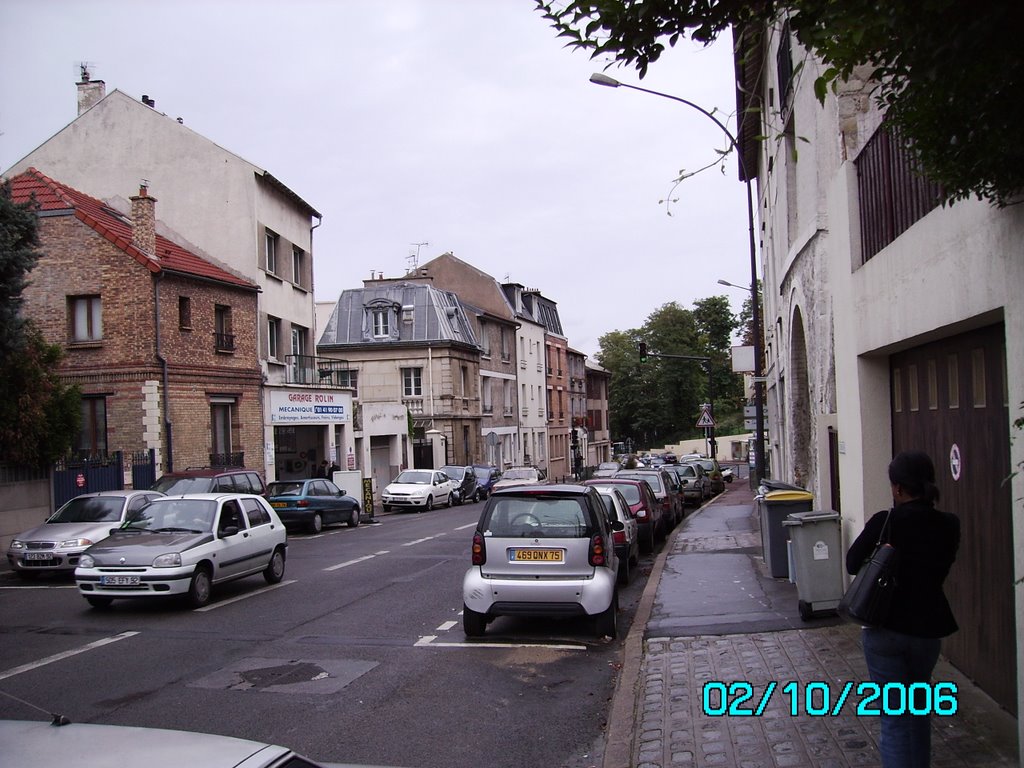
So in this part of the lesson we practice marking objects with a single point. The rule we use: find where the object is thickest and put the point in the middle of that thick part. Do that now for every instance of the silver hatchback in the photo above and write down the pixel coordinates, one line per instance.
(542, 550)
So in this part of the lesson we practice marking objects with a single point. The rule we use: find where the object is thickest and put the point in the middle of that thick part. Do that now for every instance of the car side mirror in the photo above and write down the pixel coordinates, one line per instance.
(230, 530)
(342, 492)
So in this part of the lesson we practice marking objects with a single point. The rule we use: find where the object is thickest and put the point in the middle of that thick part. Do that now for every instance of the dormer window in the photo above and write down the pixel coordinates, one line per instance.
(381, 322)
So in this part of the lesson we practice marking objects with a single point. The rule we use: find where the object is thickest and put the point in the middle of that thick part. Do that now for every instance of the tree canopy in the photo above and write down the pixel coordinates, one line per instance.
(949, 74)
(39, 414)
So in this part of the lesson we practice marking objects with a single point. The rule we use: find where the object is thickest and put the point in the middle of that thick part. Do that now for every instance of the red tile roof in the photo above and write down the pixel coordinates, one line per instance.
(51, 195)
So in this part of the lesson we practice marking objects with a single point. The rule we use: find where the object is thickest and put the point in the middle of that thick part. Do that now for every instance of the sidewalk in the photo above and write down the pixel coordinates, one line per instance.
(711, 614)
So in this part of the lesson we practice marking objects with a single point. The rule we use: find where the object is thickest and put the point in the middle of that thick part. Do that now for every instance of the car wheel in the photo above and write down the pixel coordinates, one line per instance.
(624, 571)
(274, 571)
(606, 623)
(316, 524)
(805, 610)
(385, 508)
(454, 498)
(429, 504)
(354, 520)
(476, 496)
(99, 603)
(473, 623)
(199, 587)
(647, 545)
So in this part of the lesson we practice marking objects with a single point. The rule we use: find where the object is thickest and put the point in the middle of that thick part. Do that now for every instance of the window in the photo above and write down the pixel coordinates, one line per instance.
(92, 437)
(506, 354)
(86, 318)
(348, 379)
(953, 371)
(464, 380)
(381, 324)
(488, 406)
(274, 338)
(897, 390)
(298, 266)
(485, 340)
(933, 386)
(184, 312)
(271, 251)
(507, 397)
(412, 382)
(913, 393)
(978, 377)
(221, 419)
(224, 339)
(299, 340)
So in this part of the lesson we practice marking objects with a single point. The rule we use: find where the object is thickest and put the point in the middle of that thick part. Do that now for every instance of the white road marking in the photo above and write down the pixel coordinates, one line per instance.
(446, 626)
(65, 655)
(246, 596)
(420, 541)
(464, 527)
(347, 563)
(427, 641)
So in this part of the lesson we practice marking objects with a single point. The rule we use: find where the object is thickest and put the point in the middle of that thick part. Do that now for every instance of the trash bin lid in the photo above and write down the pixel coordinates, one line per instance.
(813, 516)
(788, 496)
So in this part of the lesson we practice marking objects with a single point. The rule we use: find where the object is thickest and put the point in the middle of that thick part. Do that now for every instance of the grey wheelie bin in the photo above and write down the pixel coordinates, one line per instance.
(817, 560)
(775, 502)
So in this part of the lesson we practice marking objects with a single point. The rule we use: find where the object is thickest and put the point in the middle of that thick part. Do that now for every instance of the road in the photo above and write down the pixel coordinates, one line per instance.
(357, 656)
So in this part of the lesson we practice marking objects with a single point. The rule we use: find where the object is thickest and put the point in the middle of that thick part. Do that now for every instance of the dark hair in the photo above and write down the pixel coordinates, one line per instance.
(915, 473)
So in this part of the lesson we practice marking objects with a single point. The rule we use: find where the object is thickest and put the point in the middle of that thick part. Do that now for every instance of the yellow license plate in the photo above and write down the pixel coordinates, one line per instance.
(536, 555)
(278, 504)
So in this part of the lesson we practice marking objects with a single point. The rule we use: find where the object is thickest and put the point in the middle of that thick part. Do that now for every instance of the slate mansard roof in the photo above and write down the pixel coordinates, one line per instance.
(418, 314)
(54, 199)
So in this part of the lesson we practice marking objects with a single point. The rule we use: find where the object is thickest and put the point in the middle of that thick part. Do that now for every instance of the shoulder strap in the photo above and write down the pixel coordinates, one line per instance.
(881, 533)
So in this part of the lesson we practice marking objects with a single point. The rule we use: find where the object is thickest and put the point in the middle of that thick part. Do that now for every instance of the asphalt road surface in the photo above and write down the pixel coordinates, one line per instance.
(357, 656)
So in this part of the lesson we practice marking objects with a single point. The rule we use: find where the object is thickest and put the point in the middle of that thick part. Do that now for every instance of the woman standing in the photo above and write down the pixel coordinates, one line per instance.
(905, 648)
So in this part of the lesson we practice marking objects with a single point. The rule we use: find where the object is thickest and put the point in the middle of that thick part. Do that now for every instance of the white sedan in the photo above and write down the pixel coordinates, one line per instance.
(419, 489)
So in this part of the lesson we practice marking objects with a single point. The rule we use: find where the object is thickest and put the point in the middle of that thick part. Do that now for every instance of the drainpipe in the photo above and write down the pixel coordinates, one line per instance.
(168, 431)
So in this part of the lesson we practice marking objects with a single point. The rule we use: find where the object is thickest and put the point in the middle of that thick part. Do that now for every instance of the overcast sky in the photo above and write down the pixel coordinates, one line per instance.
(460, 125)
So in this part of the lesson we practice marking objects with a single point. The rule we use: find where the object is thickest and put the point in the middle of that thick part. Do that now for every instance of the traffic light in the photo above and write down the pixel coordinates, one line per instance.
(643, 351)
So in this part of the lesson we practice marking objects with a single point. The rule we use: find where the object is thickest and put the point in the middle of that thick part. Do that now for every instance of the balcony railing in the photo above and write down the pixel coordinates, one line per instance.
(234, 459)
(318, 371)
(224, 342)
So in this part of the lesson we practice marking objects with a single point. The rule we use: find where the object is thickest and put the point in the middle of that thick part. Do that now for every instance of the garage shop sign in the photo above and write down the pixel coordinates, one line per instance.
(309, 406)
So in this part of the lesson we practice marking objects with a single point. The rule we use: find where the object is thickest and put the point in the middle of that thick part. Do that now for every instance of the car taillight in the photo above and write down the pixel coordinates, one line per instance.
(302, 503)
(479, 550)
(620, 537)
(597, 554)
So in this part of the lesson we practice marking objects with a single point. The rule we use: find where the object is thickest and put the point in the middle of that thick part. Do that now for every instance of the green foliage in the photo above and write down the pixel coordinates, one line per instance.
(949, 74)
(659, 402)
(39, 414)
(18, 255)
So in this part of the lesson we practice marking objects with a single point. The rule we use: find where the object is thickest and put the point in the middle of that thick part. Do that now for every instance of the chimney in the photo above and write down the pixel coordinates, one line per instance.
(144, 221)
(89, 91)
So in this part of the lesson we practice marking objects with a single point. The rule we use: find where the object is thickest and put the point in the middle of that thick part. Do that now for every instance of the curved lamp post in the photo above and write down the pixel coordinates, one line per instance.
(758, 378)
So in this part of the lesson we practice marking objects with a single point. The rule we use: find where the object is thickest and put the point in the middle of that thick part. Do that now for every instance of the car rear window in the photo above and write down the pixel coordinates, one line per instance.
(533, 516)
(652, 480)
(630, 492)
(285, 489)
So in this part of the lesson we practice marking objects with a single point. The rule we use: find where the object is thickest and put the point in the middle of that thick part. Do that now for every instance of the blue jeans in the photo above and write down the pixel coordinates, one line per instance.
(893, 657)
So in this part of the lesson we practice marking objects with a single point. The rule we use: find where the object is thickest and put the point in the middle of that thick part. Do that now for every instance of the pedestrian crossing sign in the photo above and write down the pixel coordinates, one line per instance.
(705, 419)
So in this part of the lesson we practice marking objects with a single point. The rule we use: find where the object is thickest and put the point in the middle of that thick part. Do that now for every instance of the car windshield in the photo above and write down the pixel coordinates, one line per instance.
(608, 465)
(484, 473)
(94, 509)
(708, 465)
(177, 486)
(455, 473)
(285, 488)
(177, 514)
(536, 516)
(609, 505)
(687, 471)
(416, 477)
(520, 474)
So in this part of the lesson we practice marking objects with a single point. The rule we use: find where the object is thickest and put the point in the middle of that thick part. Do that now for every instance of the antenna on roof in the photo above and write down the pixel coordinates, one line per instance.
(414, 258)
(83, 70)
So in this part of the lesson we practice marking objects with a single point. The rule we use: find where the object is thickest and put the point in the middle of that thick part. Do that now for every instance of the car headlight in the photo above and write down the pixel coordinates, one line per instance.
(86, 561)
(71, 543)
(170, 560)
(17, 544)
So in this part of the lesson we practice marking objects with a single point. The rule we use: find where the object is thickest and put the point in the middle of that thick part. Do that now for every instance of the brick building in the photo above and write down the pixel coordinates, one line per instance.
(161, 343)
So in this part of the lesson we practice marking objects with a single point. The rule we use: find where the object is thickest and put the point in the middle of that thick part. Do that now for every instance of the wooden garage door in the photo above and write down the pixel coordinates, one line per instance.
(949, 398)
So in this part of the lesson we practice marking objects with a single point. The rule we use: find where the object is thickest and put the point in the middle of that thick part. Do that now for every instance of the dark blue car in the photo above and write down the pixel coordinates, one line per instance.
(486, 477)
(311, 504)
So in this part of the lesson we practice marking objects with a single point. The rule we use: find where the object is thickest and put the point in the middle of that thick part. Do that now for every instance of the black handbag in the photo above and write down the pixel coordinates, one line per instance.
(869, 596)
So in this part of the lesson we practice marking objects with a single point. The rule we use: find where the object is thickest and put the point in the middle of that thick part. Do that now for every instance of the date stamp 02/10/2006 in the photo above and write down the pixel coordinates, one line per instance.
(820, 699)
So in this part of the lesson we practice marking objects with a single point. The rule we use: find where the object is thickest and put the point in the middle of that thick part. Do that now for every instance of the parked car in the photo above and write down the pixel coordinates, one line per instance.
(664, 492)
(607, 469)
(419, 489)
(55, 546)
(542, 550)
(642, 505)
(311, 504)
(627, 542)
(696, 484)
(95, 745)
(714, 472)
(486, 477)
(466, 487)
(518, 476)
(211, 480)
(185, 545)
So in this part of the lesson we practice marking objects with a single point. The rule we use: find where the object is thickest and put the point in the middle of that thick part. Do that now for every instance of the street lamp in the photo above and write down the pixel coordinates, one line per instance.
(602, 79)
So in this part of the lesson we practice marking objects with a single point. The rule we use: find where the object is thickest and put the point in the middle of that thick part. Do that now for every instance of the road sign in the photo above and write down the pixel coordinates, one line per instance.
(705, 419)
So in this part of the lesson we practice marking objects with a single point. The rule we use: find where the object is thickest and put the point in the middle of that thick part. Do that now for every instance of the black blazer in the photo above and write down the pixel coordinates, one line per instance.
(926, 541)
